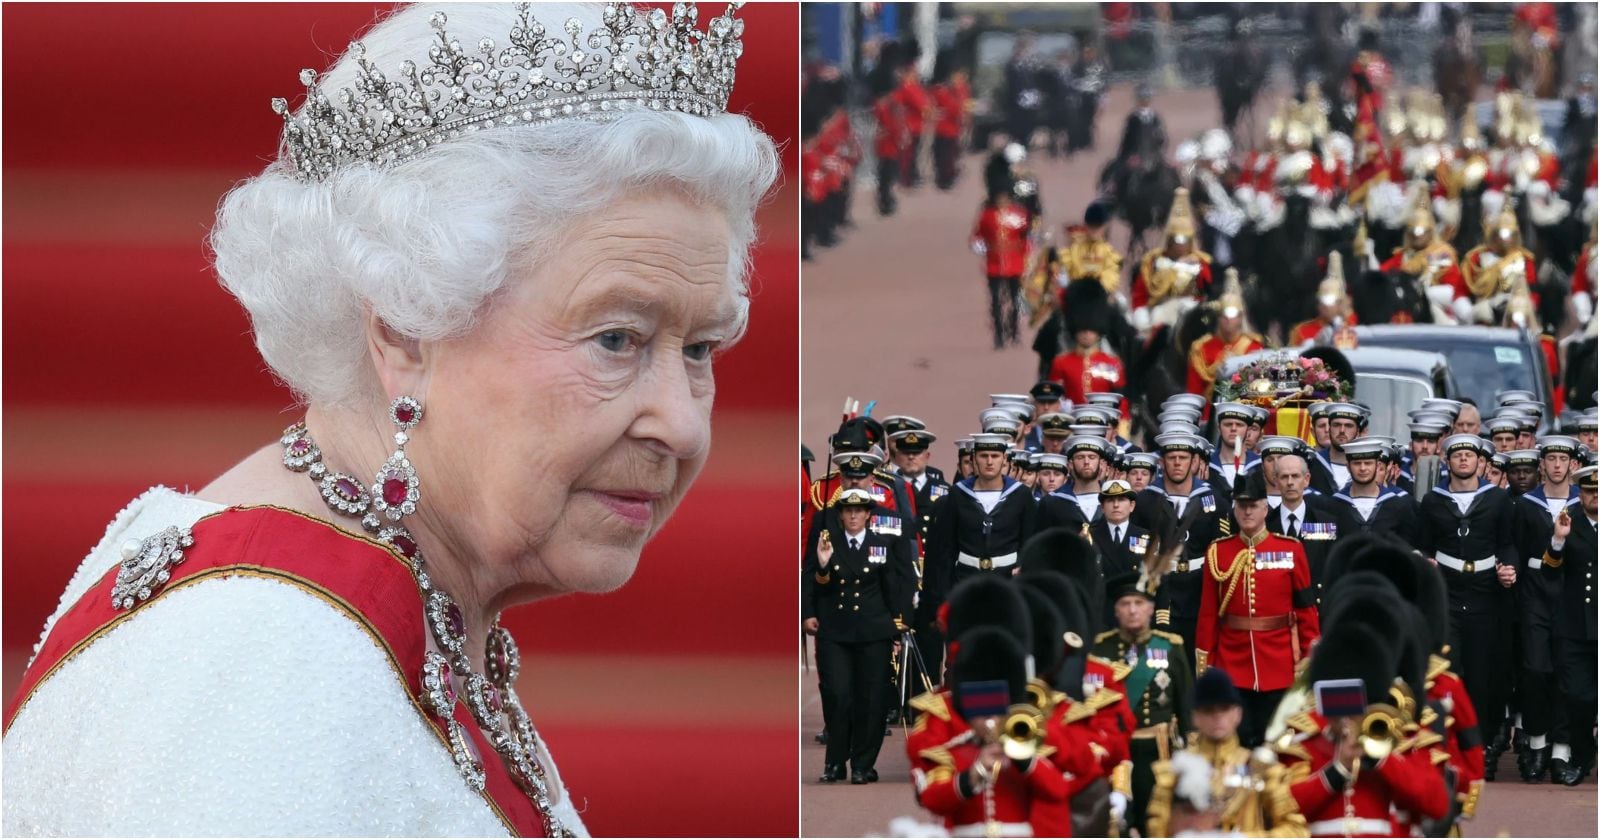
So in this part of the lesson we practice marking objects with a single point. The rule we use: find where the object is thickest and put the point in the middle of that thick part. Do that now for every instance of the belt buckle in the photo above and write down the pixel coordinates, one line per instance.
(1468, 567)
(985, 563)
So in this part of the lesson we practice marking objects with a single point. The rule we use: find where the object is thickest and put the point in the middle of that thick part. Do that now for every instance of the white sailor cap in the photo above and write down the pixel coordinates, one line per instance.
(1557, 444)
(1451, 444)
(1050, 461)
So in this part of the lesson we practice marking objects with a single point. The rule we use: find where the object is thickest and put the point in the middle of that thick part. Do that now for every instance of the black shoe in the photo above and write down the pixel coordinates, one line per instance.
(872, 774)
(1520, 743)
(821, 737)
(1575, 775)
(1533, 764)
(1559, 769)
(893, 717)
(1491, 764)
(858, 777)
(1502, 739)
(831, 773)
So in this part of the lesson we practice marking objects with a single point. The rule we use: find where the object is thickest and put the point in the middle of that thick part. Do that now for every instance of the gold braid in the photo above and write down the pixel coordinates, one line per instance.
(1245, 559)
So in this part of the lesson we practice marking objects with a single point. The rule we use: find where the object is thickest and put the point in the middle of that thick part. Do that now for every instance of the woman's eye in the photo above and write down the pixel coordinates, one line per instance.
(700, 352)
(614, 341)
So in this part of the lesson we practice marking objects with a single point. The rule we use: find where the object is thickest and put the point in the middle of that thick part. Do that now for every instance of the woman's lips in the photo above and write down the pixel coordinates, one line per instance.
(633, 507)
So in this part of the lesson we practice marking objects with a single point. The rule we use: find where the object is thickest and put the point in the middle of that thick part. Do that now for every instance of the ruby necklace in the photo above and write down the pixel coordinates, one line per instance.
(491, 696)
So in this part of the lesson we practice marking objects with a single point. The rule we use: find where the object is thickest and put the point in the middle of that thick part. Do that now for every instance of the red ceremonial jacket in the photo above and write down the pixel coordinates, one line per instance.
(1462, 739)
(950, 110)
(1082, 374)
(913, 99)
(1258, 617)
(1404, 781)
(1472, 264)
(892, 136)
(1205, 360)
(1004, 234)
(941, 747)
(822, 491)
(1141, 290)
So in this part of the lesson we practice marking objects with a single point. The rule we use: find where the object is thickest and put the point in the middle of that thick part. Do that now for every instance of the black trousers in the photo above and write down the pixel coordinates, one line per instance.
(1144, 752)
(910, 165)
(1004, 296)
(1577, 672)
(888, 172)
(1483, 658)
(1259, 706)
(854, 674)
(946, 161)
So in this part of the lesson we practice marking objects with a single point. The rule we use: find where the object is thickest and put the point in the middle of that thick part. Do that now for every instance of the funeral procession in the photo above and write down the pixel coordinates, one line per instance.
(1198, 419)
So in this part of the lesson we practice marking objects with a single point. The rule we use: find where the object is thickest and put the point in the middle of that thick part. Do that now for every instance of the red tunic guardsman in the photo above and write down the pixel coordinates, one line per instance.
(1381, 798)
(1333, 306)
(1001, 234)
(857, 463)
(1258, 615)
(1207, 354)
(1462, 740)
(917, 107)
(1086, 367)
(960, 769)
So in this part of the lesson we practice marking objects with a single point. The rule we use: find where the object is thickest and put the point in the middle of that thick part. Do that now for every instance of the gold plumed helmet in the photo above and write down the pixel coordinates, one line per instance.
(1421, 214)
(1505, 115)
(1506, 219)
(1417, 113)
(1471, 138)
(1331, 290)
(1180, 220)
(1394, 121)
(1519, 307)
(1279, 120)
(1231, 302)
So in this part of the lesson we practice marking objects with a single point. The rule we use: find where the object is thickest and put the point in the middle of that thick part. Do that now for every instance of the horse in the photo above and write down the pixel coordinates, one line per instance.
(1288, 259)
(1160, 366)
(1141, 195)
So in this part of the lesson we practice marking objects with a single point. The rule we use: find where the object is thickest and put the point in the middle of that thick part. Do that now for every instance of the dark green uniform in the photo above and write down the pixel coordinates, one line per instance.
(1158, 689)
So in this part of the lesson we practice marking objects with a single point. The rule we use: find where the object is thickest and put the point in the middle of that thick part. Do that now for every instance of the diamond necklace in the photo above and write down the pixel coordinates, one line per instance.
(490, 697)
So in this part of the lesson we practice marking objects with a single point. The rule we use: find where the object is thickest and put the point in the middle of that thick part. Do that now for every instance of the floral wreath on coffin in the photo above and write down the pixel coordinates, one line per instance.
(1280, 378)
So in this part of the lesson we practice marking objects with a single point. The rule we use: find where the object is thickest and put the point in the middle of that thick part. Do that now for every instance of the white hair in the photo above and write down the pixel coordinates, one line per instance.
(423, 245)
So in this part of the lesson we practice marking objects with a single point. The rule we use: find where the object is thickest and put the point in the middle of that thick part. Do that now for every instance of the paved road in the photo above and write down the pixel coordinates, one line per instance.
(898, 313)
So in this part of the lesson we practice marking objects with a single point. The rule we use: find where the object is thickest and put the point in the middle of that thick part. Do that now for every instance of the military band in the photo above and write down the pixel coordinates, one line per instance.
(1205, 574)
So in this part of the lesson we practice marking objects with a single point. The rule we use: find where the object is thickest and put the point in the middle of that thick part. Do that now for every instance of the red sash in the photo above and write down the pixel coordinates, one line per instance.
(363, 579)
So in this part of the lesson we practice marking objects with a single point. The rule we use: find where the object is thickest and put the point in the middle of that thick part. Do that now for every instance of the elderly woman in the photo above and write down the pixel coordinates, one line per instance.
(496, 257)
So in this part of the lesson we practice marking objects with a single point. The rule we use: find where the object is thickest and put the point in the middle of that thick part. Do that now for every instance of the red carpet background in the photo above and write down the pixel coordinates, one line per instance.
(671, 704)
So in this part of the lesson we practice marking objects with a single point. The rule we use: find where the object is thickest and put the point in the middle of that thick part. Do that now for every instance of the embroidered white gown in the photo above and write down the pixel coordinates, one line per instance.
(236, 706)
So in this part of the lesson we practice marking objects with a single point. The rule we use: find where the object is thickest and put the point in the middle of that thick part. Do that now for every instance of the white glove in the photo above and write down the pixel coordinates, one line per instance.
(1141, 318)
(979, 248)
(1372, 255)
(916, 599)
(1582, 307)
(1538, 189)
(1119, 805)
(1441, 294)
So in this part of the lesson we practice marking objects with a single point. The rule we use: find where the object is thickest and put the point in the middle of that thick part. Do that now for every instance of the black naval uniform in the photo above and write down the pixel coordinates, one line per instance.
(1199, 524)
(1119, 557)
(966, 540)
(930, 499)
(1325, 520)
(1158, 687)
(1395, 513)
(1537, 596)
(1058, 510)
(1575, 629)
(856, 601)
(1467, 548)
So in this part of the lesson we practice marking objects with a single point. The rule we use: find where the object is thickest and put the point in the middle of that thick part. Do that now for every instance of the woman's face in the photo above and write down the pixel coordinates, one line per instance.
(565, 428)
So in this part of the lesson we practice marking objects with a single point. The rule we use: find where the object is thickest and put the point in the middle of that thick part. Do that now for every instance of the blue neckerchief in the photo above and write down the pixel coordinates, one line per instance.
(1385, 493)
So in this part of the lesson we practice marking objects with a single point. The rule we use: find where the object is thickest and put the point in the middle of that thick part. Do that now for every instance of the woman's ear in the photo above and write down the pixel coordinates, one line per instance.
(397, 359)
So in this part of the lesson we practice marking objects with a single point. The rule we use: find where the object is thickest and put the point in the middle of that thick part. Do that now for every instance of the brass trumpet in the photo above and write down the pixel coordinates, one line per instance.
(1380, 730)
(1022, 733)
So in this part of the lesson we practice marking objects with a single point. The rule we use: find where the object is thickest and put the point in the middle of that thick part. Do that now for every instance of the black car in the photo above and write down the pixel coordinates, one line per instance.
(1483, 360)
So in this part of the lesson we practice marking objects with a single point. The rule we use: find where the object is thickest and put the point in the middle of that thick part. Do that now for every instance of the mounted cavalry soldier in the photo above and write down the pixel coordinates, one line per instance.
(1171, 281)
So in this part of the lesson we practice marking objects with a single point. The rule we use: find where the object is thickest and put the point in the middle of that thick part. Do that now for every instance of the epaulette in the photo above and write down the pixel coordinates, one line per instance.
(1204, 257)
(1428, 717)
(1292, 749)
(1438, 757)
(1171, 637)
(816, 494)
(1437, 666)
(1119, 670)
(939, 755)
(885, 475)
(1304, 722)
(1104, 635)
(933, 703)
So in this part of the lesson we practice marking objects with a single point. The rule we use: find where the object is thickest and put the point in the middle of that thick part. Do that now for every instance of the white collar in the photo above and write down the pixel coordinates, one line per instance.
(859, 536)
(1299, 513)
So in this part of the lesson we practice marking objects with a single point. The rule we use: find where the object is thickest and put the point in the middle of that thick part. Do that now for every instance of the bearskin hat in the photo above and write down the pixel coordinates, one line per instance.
(1064, 552)
(989, 653)
(988, 600)
(1085, 306)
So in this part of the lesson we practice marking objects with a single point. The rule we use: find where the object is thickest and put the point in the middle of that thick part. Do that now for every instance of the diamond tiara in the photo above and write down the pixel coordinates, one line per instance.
(635, 61)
